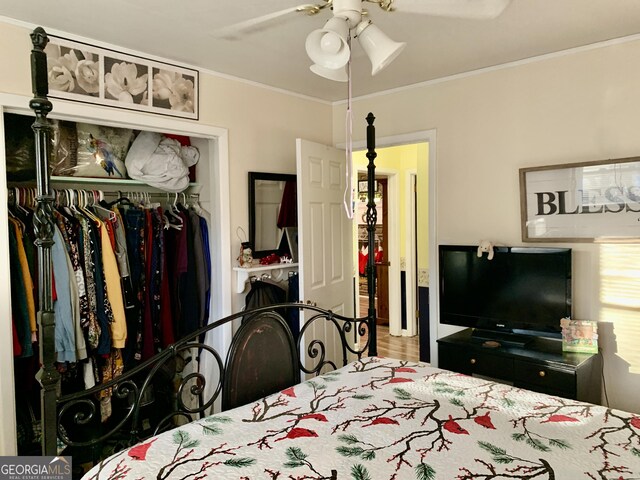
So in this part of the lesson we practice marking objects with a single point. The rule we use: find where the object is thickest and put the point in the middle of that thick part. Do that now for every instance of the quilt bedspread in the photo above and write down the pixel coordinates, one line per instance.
(383, 419)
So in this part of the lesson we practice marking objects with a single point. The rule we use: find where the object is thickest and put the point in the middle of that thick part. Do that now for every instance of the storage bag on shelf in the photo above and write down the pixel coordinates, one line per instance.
(102, 150)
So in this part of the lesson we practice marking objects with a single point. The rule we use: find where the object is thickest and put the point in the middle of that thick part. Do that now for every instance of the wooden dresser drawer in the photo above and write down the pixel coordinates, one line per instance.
(469, 362)
(547, 378)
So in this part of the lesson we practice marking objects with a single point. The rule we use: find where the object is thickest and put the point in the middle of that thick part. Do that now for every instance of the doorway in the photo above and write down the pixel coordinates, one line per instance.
(381, 246)
(405, 163)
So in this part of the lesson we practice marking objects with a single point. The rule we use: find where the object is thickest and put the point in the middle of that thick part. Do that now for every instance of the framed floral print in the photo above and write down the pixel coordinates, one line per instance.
(90, 74)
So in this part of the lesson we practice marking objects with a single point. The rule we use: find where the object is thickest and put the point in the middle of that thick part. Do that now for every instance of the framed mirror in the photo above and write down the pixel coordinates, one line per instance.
(273, 216)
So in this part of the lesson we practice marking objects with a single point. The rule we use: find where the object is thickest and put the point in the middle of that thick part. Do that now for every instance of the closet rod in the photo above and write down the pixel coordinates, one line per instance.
(168, 195)
(11, 193)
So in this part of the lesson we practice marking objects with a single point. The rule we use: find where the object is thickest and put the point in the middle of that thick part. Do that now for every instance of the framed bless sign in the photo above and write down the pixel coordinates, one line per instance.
(581, 202)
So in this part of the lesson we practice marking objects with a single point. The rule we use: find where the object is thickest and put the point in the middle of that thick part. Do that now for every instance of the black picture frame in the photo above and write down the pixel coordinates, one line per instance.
(253, 178)
(160, 87)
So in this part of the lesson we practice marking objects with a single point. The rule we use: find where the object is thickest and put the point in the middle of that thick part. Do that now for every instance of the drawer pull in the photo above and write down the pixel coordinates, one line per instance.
(473, 361)
(542, 373)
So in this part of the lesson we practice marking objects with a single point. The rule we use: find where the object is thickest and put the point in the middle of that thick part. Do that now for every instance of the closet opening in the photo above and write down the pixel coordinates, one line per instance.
(98, 190)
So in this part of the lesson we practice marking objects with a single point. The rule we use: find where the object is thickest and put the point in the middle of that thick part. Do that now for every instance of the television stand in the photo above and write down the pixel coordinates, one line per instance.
(540, 365)
(502, 338)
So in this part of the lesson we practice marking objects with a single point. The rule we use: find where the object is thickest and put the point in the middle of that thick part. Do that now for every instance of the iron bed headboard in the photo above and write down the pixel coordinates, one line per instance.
(59, 414)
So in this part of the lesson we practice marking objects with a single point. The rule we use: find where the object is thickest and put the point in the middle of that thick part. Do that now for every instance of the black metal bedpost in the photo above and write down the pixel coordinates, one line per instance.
(44, 227)
(372, 216)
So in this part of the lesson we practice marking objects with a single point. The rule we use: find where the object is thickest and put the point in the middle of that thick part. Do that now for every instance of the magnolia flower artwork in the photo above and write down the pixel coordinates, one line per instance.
(126, 82)
(91, 74)
(71, 70)
(173, 90)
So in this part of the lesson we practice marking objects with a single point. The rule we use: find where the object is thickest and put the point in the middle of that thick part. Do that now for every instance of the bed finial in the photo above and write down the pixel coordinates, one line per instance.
(372, 217)
(44, 228)
(39, 81)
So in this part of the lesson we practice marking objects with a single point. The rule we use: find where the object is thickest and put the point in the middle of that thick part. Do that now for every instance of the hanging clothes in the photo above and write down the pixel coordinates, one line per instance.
(91, 326)
(166, 309)
(204, 229)
(113, 289)
(199, 265)
(114, 223)
(134, 223)
(80, 344)
(26, 276)
(186, 306)
(67, 226)
(65, 340)
(19, 300)
(169, 266)
(148, 338)
(104, 314)
(263, 294)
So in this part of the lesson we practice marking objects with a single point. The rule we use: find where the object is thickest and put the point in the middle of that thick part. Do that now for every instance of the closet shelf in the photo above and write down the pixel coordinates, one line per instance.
(121, 182)
(277, 270)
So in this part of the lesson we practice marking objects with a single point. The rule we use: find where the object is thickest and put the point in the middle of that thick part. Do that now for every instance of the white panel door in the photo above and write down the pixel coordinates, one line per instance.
(324, 238)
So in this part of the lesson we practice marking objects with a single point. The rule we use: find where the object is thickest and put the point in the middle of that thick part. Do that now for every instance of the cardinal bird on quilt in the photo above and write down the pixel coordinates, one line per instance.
(454, 427)
(484, 421)
(104, 156)
(139, 452)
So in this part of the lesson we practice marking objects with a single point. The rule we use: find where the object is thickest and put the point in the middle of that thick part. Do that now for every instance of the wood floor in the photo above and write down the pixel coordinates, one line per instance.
(402, 348)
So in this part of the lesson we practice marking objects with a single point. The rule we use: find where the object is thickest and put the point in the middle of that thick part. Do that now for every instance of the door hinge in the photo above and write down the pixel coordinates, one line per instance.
(418, 314)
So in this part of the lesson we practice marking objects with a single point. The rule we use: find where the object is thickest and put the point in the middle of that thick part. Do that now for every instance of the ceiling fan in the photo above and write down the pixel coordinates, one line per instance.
(330, 46)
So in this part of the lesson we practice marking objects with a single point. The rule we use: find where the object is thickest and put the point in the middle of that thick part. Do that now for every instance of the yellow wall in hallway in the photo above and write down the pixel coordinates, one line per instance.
(404, 159)
(422, 151)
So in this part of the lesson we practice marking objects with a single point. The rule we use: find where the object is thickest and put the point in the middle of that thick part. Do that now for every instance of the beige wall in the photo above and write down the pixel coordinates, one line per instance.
(263, 126)
(577, 107)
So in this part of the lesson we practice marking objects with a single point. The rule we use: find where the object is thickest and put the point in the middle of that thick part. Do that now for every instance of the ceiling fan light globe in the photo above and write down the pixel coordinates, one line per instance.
(380, 49)
(337, 74)
(328, 47)
(330, 43)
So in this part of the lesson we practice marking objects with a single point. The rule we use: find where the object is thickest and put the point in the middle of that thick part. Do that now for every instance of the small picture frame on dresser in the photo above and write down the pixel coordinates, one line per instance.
(579, 336)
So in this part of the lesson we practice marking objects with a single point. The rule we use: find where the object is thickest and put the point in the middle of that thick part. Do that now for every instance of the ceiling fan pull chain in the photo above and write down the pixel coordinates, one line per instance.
(348, 191)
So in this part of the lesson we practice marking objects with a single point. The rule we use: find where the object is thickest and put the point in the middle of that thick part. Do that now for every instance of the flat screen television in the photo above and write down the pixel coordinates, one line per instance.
(522, 290)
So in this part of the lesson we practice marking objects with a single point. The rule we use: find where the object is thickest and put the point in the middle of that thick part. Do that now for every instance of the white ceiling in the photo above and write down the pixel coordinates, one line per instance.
(185, 32)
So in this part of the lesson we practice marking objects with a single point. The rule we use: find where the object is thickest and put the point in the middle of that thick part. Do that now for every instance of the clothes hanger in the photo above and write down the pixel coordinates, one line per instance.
(12, 202)
(196, 205)
(83, 204)
(64, 204)
(20, 197)
(121, 199)
(77, 208)
(32, 197)
(97, 197)
(71, 200)
(172, 210)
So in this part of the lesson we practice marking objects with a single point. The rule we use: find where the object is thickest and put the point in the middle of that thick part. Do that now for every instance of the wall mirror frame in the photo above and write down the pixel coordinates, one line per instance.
(258, 219)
